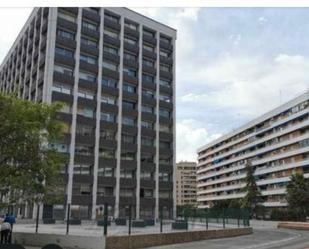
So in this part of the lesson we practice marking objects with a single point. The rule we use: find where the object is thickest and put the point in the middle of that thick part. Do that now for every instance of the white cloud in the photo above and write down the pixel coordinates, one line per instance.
(190, 135)
(251, 86)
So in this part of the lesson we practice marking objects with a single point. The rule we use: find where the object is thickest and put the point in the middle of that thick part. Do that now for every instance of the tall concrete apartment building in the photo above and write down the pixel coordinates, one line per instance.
(185, 183)
(115, 71)
(277, 144)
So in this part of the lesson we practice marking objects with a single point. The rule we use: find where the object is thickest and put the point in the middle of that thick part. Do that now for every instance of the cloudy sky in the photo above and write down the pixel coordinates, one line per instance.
(233, 64)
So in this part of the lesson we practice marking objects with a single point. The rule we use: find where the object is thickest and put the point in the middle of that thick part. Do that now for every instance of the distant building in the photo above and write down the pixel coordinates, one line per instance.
(185, 183)
(277, 144)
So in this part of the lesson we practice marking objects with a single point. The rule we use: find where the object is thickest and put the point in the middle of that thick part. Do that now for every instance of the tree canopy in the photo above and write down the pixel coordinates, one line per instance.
(298, 195)
(28, 167)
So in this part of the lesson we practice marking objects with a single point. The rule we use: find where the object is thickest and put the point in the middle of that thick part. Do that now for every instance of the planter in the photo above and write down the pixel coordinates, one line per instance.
(75, 222)
(121, 221)
(138, 223)
(179, 224)
(101, 223)
(150, 222)
(49, 221)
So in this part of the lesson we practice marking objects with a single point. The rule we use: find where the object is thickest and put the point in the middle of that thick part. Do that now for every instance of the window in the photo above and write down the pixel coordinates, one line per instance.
(82, 169)
(165, 68)
(88, 42)
(130, 71)
(147, 125)
(83, 150)
(148, 48)
(94, 10)
(164, 53)
(107, 99)
(165, 194)
(128, 121)
(62, 148)
(87, 76)
(84, 130)
(164, 113)
(106, 172)
(64, 52)
(147, 141)
(147, 109)
(148, 63)
(108, 117)
(146, 193)
(64, 70)
(85, 189)
(165, 128)
(89, 25)
(131, 25)
(148, 78)
(129, 105)
(130, 41)
(107, 134)
(88, 59)
(61, 88)
(85, 111)
(148, 33)
(107, 153)
(111, 17)
(66, 109)
(126, 192)
(129, 56)
(66, 16)
(146, 175)
(165, 83)
(147, 158)
(165, 145)
(128, 156)
(110, 66)
(148, 93)
(128, 88)
(129, 174)
(165, 39)
(164, 177)
(109, 82)
(165, 98)
(111, 50)
(126, 138)
(85, 94)
(111, 33)
(65, 34)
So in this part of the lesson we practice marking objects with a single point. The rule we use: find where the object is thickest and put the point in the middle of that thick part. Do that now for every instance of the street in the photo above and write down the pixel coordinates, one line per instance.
(262, 238)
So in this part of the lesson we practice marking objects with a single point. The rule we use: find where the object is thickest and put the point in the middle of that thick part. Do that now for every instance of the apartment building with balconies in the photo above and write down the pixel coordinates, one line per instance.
(114, 70)
(185, 183)
(276, 144)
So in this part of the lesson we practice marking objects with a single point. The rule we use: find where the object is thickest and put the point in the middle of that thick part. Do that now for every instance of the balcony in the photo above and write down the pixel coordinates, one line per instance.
(110, 200)
(88, 67)
(130, 79)
(89, 49)
(166, 136)
(105, 143)
(72, 10)
(166, 60)
(78, 199)
(111, 41)
(131, 32)
(109, 108)
(91, 85)
(149, 69)
(91, 15)
(70, 61)
(148, 149)
(166, 45)
(69, 43)
(87, 102)
(63, 78)
(128, 182)
(130, 96)
(107, 162)
(168, 105)
(149, 54)
(66, 24)
(149, 39)
(111, 24)
(148, 132)
(148, 116)
(106, 181)
(129, 112)
(110, 90)
(124, 201)
(165, 89)
(166, 75)
(149, 84)
(110, 73)
(67, 98)
(130, 63)
(149, 101)
(131, 47)
(91, 33)
(111, 57)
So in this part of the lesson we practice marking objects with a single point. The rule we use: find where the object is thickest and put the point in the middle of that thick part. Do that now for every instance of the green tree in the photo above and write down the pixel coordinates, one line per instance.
(28, 167)
(253, 196)
(298, 195)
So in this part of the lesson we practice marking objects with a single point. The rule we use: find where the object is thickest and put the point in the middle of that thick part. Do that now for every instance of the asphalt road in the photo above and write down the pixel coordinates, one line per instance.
(267, 238)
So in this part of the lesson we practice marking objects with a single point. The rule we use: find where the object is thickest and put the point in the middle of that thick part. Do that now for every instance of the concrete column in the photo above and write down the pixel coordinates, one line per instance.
(74, 109)
(98, 119)
(139, 123)
(50, 54)
(117, 189)
(157, 126)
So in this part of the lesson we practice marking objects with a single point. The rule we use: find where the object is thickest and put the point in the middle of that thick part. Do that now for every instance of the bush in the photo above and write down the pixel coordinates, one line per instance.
(284, 215)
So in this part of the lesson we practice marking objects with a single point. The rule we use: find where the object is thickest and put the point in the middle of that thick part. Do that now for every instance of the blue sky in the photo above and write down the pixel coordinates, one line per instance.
(233, 64)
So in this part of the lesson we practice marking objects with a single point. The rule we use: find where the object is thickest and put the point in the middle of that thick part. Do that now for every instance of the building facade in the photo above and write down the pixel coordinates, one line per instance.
(276, 144)
(114, 70)
(185, 183)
